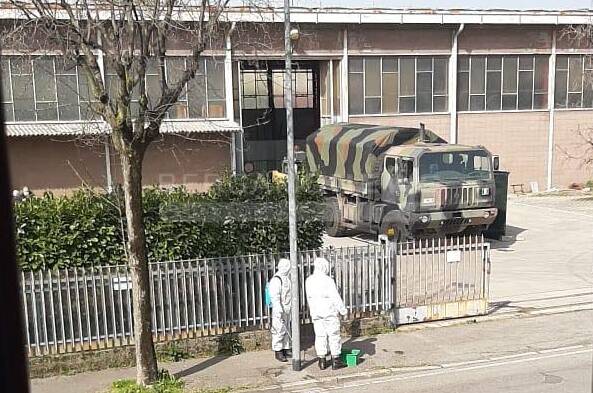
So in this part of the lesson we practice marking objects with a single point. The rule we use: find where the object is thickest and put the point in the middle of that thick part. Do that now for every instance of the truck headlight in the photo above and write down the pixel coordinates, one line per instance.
(485, 191)
(424, 219)
(428, 201)
(486, 214)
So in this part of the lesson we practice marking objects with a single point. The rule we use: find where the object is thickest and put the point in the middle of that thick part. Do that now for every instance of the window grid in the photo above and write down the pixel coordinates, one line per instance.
(582, 97)
(259, 100)
(184, 103)
(79, 114)
(306, 95)
(38, 107)
(400, 77)
(8, 100)
(516, 91)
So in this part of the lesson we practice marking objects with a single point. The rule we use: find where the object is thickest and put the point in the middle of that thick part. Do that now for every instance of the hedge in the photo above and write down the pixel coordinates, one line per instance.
(239, 215)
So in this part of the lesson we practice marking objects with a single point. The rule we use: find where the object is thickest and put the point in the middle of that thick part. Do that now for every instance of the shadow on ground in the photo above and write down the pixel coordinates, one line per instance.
(512, 232)
(201, 366)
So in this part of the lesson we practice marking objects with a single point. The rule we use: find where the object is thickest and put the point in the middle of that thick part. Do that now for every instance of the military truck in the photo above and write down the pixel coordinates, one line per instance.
(402, 182)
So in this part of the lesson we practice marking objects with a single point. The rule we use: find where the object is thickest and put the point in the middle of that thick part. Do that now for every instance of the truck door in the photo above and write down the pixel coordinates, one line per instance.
(389, 189)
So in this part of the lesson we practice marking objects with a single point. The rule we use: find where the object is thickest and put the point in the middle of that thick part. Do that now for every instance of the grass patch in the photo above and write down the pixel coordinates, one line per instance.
(165, 384)
(376, 330)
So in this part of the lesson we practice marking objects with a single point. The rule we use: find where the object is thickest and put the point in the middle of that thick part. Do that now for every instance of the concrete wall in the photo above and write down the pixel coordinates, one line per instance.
(395, 39)
(505, 38)
(56, 164)
(60, 164)
(572, 131)
(519, 138)
(255, 41)
(438, 124)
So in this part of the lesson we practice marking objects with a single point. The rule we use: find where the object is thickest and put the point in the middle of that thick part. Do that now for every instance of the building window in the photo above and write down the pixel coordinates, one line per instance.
(204, 95)
(389, 85)
(494, 83)
(44, 88)
(302, 88)
(257, 85)
(574, 82)
(254, 84)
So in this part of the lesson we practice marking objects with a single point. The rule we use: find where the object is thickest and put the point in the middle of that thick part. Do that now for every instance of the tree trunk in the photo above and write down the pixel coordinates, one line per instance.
(146, 364)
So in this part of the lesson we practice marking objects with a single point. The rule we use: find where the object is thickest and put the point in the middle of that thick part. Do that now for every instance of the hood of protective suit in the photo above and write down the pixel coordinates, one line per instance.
(321, 266)
(283, 267)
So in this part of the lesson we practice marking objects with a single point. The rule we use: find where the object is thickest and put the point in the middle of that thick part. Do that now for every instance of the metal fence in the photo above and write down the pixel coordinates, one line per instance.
(437, 271)
(91, 308)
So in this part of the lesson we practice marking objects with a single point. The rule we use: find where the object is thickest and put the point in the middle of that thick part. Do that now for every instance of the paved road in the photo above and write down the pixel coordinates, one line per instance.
(560, 370)
(551, 261)
(548, 263)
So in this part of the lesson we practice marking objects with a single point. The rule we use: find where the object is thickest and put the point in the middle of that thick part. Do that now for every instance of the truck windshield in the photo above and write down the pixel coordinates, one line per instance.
(469, 165)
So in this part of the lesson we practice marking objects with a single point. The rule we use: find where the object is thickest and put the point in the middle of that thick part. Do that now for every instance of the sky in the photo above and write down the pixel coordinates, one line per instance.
(451, 4)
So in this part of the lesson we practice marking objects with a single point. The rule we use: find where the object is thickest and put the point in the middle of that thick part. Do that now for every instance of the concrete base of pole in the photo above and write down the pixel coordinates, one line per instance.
(296, 364)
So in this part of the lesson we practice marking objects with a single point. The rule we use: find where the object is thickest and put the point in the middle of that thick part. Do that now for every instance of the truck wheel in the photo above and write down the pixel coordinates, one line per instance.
(333, 219)
(392, 226)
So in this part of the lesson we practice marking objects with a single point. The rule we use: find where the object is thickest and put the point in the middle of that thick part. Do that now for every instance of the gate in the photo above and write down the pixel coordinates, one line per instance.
(440, 279)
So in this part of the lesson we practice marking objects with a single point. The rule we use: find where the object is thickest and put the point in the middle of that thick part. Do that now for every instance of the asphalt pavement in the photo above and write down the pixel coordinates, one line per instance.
(562, 370)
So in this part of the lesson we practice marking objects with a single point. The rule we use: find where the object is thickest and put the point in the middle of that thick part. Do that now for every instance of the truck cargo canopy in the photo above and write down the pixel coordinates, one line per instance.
(350, 151)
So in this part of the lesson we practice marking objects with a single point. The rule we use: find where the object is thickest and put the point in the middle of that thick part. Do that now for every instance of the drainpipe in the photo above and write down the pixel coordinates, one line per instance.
(453, 86)
(344, 79)
(552, 110)
(230, 110)
(108, 162)
(105, 127)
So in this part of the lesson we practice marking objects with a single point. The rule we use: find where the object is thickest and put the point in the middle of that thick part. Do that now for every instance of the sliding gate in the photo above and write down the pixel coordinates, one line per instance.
(440, 279)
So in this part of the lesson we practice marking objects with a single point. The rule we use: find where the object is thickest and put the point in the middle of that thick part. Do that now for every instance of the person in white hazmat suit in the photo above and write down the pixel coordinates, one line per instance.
(280, 288)
(325, 306)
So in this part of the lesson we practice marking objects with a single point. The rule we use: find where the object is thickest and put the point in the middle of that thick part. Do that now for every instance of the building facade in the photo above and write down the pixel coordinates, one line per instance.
(508, 80)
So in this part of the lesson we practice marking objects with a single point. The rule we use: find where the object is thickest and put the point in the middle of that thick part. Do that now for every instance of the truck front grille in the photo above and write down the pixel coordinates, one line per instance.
(457, 197)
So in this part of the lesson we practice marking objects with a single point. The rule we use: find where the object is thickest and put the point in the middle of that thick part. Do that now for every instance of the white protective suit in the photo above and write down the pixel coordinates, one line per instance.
(281, 296)
(325, 306)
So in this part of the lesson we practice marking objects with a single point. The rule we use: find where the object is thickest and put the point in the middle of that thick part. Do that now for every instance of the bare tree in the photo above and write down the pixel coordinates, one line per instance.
(126, 36)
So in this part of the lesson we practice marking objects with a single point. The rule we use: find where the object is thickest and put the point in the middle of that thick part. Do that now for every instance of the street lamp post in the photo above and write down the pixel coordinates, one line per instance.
(292, 232)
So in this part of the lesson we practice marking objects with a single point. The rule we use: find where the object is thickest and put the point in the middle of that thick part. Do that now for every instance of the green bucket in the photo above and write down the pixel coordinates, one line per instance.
(350, 357)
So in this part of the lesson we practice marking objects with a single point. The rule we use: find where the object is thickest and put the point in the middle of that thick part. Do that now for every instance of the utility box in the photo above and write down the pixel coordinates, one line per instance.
(498, 228)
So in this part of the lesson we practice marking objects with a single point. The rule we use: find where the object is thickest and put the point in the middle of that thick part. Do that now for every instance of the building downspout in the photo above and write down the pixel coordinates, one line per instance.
(108, 163)
(230, 110)
(552, 112)
(106, 138)
(453, 85)
(344, 79)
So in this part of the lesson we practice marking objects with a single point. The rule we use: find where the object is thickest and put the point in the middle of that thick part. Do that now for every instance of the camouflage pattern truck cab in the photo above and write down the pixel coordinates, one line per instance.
(402, 182)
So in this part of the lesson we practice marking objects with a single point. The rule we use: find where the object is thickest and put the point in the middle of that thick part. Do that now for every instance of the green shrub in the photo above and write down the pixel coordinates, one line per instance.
(79, 230)
(239, 215)
(589, 184)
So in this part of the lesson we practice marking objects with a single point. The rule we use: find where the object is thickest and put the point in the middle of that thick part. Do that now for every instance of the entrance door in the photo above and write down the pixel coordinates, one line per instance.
(264, 114)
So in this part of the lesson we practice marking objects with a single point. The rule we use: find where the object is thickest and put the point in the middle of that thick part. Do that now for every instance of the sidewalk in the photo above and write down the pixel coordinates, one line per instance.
(407, 349)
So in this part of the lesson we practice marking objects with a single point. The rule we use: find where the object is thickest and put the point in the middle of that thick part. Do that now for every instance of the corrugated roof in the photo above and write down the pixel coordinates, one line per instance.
(96, 128)
(343, 15)
(198, 126)
(54, 129)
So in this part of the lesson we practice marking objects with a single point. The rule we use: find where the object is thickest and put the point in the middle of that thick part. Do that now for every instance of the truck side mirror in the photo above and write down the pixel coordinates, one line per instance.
(496, 162)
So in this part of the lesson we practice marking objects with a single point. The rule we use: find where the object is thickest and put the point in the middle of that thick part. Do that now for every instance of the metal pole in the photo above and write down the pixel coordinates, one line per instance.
(296, 320)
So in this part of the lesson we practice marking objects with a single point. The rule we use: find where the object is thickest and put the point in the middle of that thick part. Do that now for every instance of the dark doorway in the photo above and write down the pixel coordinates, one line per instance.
(263, 113)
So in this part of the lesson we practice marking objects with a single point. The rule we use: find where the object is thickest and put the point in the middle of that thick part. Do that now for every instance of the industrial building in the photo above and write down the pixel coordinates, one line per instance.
(511, 81)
